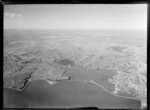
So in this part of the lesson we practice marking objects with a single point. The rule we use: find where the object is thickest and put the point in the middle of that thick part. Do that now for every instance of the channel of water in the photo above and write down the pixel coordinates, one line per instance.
(86, 88)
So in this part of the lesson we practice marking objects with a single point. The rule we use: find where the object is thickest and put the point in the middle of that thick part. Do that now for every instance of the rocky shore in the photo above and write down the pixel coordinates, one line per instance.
(39, 62)
(30, 65)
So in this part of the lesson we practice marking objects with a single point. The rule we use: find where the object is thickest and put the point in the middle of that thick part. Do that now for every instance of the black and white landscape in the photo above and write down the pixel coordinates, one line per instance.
(70, 56)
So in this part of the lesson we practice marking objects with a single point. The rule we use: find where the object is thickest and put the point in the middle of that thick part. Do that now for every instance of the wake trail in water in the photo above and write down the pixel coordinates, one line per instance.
(97, 84)
(100, 86)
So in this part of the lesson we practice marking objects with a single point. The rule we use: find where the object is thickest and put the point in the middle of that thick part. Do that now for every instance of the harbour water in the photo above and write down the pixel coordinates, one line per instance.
(66, 94)
(86, 88)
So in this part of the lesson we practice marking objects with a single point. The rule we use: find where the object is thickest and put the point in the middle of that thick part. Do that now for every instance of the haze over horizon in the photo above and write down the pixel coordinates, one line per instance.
(73, 16)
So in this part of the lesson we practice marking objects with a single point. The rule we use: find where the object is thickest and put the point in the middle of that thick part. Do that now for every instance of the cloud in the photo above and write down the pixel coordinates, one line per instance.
(12, 15)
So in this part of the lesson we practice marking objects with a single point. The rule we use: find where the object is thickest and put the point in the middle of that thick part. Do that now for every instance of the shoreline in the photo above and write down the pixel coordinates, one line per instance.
(51, 82)
(85, 81)
(90, 81)
(48, 81)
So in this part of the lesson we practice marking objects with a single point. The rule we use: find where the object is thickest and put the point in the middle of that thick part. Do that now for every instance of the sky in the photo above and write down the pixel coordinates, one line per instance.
(76, 16)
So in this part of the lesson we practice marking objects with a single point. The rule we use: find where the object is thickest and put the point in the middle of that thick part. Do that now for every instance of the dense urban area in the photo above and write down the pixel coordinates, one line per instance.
(26, 59)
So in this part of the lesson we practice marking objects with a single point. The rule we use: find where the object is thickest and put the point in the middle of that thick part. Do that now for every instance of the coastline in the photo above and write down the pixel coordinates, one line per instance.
(90, 81)
(21, 89)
